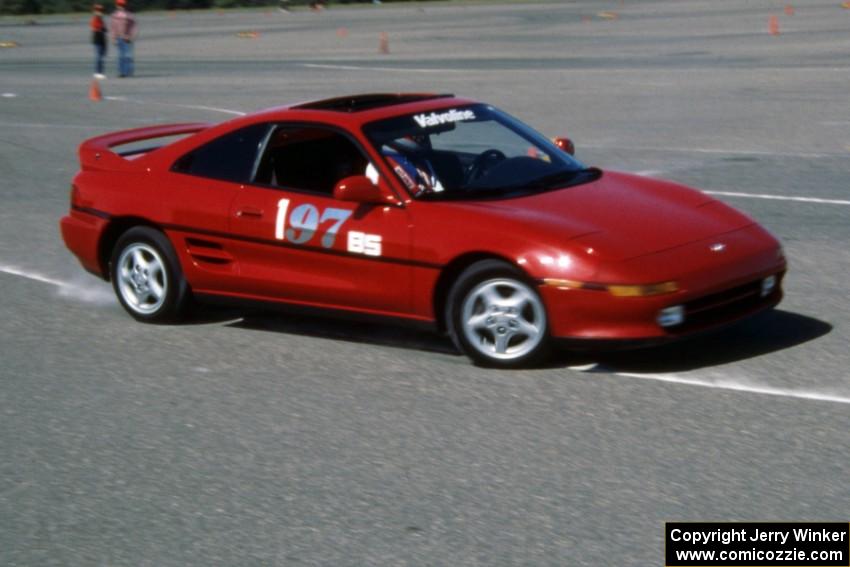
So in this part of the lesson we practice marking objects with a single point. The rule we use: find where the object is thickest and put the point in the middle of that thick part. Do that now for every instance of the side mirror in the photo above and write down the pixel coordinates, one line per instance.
(359, 189)
(566, 145)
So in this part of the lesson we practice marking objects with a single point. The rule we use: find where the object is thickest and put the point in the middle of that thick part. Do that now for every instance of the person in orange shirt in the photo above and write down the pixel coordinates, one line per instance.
(123, 26)
(98, 39)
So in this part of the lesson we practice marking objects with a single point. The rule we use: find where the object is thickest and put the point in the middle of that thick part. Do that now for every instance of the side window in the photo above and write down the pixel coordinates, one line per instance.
(229, 158)
(309, 158)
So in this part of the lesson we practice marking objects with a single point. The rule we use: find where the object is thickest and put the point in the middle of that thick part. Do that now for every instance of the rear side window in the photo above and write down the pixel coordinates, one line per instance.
(228, 158)
(309, 158)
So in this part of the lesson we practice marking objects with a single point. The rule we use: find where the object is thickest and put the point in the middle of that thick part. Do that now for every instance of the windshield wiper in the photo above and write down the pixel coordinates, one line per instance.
(565, 178)
(558, 180)
(464, 194)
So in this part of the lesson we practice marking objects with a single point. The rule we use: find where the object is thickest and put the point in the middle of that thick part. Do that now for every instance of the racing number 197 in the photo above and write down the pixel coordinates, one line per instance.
(304, 221)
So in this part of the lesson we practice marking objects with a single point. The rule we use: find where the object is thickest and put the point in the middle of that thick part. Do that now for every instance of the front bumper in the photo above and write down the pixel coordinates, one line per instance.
(598, 315)
(714, 290)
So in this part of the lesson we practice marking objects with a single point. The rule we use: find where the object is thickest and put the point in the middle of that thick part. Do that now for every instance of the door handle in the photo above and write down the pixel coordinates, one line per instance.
(250, 213)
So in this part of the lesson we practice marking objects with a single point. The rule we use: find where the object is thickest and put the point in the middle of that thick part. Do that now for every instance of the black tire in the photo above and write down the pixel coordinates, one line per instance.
(510, 331)
(147, 278)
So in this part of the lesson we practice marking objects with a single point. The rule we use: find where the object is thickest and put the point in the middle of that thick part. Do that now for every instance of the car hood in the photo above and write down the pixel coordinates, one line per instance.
(622, 216)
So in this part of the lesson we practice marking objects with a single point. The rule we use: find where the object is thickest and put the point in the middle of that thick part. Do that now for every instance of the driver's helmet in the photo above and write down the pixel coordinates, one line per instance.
(415, 171)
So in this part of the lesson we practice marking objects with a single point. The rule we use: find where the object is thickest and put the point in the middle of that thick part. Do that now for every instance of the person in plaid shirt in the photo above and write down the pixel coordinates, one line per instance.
(124, 28)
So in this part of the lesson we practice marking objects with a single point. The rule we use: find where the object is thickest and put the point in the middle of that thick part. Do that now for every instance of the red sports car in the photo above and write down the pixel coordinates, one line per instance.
(429, 208)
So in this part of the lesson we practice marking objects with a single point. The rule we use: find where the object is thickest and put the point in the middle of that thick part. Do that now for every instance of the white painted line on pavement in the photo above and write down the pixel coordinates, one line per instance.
(391, 69)
(583, 367)
(50, 126)
(736, 387)
(711, 151)
(86, 293)
(8, 95)
(780, 197)
(194, 106)
(30, 275)
(819, 200)
(212, 108)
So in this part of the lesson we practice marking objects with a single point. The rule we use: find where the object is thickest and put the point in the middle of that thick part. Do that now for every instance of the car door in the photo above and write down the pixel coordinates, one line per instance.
(201, 188)
(299, 244)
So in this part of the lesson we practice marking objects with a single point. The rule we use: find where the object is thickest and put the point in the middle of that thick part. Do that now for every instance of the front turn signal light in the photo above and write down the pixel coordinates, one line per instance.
(563, 284)
(643, 290)
(616, 290)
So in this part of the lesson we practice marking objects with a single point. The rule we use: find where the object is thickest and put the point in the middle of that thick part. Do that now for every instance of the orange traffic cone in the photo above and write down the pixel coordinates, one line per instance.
(94, 91)
(384, 43)
(789, 10)
(773, 25)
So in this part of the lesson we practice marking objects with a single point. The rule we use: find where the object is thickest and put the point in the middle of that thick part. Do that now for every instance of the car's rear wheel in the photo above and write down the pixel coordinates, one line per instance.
(496, 317)
(146, 276)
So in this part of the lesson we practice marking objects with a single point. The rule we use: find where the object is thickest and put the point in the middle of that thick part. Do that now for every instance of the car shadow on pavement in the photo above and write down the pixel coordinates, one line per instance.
(208, 314)
(377, 333)
(762, 334)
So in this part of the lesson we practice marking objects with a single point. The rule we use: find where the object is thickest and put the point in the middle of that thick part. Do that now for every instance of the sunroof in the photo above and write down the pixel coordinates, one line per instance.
(358, 103)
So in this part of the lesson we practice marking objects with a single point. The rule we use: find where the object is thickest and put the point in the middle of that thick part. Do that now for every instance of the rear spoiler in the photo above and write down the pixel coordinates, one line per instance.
(97, 153)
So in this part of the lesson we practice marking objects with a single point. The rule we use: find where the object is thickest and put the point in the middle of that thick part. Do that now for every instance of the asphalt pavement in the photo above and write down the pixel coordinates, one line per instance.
(243, 438)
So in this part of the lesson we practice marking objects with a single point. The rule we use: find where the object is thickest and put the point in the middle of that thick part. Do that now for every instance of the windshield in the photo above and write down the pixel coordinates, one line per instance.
(472, 152)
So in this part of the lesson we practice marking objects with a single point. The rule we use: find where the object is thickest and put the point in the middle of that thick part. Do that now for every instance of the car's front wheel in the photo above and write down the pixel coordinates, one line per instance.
(496, 317)
(146, 276)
